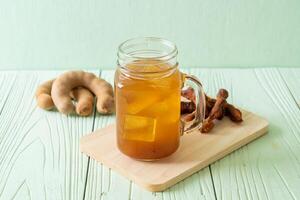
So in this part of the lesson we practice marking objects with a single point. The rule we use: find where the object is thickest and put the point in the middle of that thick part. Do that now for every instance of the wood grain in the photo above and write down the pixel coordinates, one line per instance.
(291, 78)
(267, 168)
(7, 80)
(101, 182)
(39, 157)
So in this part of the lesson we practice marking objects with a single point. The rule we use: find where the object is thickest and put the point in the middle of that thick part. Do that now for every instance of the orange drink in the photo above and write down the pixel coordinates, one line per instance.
(147, 94)
(148, 110)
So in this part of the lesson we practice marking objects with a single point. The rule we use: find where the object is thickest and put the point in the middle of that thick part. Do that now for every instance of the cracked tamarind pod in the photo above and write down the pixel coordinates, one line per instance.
(189, 93)
(210, 102)
(187, 108)
(233, 113)
(207, 126)
(215, 109)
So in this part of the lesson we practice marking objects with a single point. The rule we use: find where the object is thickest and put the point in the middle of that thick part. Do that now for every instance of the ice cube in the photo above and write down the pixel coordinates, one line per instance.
(140, 100)
(167, 83)
(139, 128)
(168, 109)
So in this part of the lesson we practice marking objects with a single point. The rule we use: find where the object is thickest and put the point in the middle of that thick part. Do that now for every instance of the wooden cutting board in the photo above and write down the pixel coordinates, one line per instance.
(196, 151)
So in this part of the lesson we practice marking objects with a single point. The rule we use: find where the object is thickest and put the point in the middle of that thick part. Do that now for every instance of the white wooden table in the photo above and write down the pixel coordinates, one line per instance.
(40, 157)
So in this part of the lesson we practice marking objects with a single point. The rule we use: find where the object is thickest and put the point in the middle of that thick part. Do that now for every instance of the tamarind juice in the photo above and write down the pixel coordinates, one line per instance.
(148, 109)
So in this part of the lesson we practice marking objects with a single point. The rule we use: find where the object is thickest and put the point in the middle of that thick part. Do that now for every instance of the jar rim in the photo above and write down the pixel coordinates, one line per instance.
(167, 56)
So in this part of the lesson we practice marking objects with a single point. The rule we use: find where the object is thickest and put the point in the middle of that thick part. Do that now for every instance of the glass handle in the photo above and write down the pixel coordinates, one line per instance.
(200, 103)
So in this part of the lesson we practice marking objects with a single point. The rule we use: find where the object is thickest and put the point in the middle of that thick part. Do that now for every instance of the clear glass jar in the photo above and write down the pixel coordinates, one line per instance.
(147, 93)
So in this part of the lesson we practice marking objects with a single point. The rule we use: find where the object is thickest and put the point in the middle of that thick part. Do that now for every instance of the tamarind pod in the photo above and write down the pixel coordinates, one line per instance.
(210, 102)
(188, 117)
(217, 110)
(233, 113)
(189, 93)
(187, 107)
(84, 101)
(222, 93)
(43, 95)
(67, 81)
(207, 126)
(84, 97)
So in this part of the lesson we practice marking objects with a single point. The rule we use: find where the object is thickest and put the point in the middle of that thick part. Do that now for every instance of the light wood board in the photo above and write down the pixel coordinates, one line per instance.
(196, 151)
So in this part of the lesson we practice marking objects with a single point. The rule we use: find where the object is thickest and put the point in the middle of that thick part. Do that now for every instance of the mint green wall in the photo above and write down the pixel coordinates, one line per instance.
(48, 34)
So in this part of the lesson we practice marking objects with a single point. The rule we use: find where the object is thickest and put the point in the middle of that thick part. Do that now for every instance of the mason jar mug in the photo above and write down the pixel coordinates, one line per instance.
(148, 87)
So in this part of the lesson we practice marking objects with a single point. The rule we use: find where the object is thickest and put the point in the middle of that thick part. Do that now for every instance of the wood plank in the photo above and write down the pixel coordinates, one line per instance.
(102, 183)
(269, 167)
(7, 79)
(39, 156)
(106, 184)
(291, 77)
